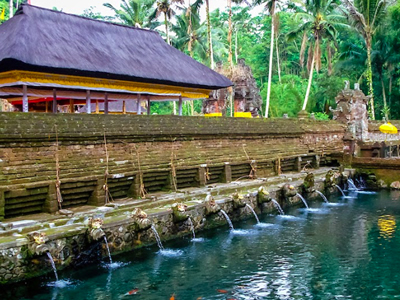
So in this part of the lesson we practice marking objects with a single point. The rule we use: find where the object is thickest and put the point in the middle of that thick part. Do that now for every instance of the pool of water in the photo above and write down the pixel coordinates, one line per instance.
(346, 251)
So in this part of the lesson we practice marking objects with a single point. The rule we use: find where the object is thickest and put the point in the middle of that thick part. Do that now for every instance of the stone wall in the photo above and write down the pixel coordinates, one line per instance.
(166, 152)
(70, 244)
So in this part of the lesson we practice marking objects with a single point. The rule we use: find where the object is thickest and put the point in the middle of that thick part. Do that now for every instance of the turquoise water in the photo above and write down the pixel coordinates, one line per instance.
(347, 250)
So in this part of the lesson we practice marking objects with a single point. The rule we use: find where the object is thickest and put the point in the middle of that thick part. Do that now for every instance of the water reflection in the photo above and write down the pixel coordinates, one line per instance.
(387, 226)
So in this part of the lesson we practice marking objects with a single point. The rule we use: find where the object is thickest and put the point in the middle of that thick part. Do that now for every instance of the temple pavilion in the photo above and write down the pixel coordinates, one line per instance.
(50, 59)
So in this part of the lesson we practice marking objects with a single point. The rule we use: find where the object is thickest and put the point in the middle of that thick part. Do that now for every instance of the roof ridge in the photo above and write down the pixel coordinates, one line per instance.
(82, 17)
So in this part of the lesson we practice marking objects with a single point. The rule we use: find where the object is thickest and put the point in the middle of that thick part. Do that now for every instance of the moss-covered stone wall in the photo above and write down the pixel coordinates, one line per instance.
(165, 152)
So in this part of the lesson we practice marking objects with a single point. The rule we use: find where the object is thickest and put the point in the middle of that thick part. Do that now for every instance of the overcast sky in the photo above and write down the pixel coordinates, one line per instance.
(78, 6)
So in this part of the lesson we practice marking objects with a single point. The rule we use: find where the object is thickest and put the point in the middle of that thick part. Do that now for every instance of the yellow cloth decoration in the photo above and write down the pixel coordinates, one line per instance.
(388, 128)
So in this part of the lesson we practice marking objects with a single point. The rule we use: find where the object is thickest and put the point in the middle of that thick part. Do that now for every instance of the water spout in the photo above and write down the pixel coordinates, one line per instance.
(302, 199)
(322, 195)
(352, 186)
(278, 207)
(108, 249)
(192, 227)
(53, 265)
(338, 187)
(254, 213)
(227, 219)
(158, 239)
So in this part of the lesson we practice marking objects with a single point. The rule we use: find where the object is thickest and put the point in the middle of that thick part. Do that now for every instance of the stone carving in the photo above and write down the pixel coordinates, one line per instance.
(140, 220)
(246, 93)
(330, 179)
(263, 195)
(95, 233)
(238, 200)
(309, 183)
(346, 85)
(212, 207)
(289, 191)
(37, 243)
(179, 212)
(352, 110)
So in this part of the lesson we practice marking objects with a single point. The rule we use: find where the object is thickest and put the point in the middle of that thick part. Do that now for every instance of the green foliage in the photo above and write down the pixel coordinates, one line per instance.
(342, 53)
(321, 116)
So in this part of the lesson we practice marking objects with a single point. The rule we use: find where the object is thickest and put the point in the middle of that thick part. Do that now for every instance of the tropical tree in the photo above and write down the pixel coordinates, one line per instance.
(271, 7)
(320, 20)
(134, 13)
(366, 17)
(166, 8)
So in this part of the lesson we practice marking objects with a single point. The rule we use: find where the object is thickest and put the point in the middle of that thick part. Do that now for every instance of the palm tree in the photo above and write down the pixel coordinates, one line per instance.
(134, 13)
(210, 45)
(165, 7)
(366, 17)
(271, 7)
(320, 21)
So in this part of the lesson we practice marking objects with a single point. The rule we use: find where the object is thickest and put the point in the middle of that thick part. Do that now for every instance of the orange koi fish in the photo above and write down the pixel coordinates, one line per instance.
(172, 297)
(222, 291)
(132, 292)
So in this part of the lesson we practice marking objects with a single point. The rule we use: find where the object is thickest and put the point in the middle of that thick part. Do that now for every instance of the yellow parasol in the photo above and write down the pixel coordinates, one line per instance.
(388, 128)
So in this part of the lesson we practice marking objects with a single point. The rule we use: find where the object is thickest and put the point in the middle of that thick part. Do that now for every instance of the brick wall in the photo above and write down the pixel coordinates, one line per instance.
(153, 145)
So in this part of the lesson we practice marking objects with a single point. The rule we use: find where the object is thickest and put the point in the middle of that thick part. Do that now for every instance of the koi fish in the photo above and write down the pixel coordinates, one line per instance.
(132, 292)
(222, 291)
(172, 297)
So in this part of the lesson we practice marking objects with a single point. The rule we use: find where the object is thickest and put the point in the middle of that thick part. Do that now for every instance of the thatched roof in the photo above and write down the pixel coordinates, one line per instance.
(38, 39)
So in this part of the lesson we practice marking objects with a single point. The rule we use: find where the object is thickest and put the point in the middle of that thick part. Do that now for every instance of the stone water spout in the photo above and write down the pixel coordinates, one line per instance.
(263, 195)
(95, 232)
(179, 212)
(309, 183)
(37, 243)
(330, 179)
(140, 220)
(288, 191)
(238, 200)
(211, 206)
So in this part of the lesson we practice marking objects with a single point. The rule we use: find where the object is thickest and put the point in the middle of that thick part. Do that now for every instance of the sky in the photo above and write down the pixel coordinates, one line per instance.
(78, 6)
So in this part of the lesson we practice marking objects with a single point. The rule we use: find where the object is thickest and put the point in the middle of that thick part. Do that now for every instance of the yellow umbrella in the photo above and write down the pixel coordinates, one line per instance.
(388, 128)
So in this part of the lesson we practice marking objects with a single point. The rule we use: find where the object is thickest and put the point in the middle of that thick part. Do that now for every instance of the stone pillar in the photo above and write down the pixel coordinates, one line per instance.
(106, 104)
(316, 162)
(98, 197)
(51, 203)
(134, 189)
(2, 205)
(297, 164)
(180, 106)
(349, 144)
(25, 106)
(352, 110)
(54, 108)
(88, 103)
(202, 175)
(227, 174)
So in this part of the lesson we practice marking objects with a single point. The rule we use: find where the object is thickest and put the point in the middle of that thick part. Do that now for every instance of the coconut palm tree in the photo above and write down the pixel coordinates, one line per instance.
(320, 20)
(366, 17)
(135, 13)
(271, 7)
(166, 7)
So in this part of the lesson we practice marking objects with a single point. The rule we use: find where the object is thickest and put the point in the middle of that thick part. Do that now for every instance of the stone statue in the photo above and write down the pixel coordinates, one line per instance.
(346, 85)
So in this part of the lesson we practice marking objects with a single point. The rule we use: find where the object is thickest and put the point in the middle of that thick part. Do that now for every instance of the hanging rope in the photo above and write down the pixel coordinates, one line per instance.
(108, 196)
(253, 171)
(58, 181)
(173, 171)
(142, 191)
